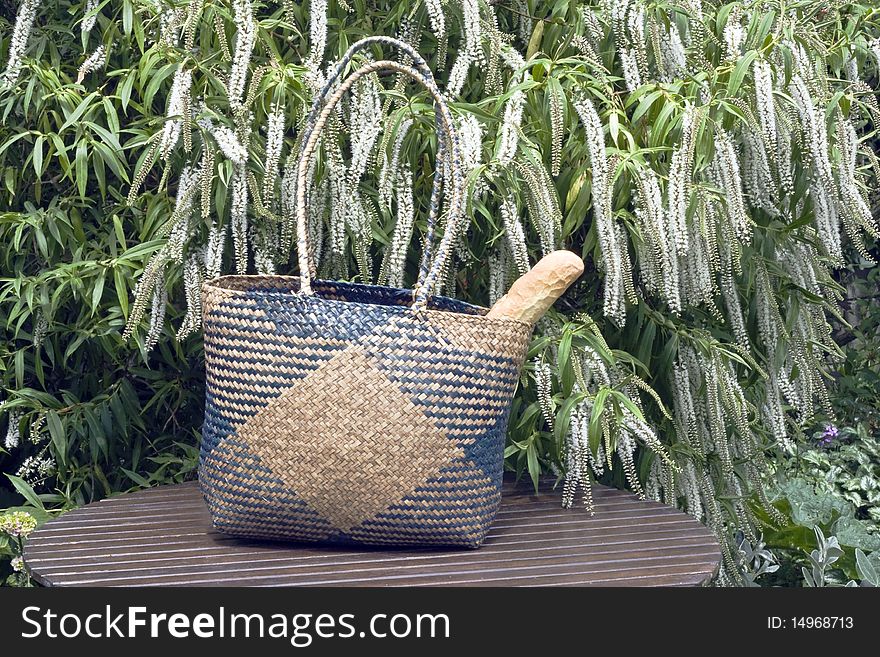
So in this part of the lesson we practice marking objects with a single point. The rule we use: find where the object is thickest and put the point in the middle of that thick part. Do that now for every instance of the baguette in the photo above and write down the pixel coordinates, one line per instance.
(534, 292)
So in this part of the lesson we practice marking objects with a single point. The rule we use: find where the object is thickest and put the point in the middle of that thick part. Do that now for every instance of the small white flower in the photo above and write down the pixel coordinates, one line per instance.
(229, 144)
(662, 257)
(41, 327)
(734, 34)
(157, 314)
(631, 74)
(471, 52)
(470, 132)
(94, 61)
(13, 435)
(274, 143)
(317, 31)
(390, 166)
(593, 28)
(192, 285)
(32, 470)
(758, 180)
(734, 308)
(436, 18)
(874, 48)
(728, 169)
(365, 124)
(516, 237)
(88, 22)
(544, 386)
(245, 39)
(612, 242)
(238, 217)
(508, 139)
(628, 26)
(171, 20)
(764, 100)
(403, 229)
(24, 22)
(178, 100)
(214, 248)
(680, 175)
(514, 60)
(851, 70)
(673, 54)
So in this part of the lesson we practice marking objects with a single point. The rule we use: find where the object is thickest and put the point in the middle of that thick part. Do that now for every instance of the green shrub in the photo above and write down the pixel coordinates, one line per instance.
(831, 490)
(831, 485)
(703, 157)
(856, 394)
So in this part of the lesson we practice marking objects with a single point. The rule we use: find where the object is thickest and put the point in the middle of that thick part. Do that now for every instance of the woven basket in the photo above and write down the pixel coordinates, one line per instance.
(339, 412)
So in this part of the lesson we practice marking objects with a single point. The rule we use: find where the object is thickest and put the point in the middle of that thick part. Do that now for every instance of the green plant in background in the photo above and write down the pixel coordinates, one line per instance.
(85, 414)
(828, 488)
(847, 467)
(823, 558)
(756, 561)
(709, 160)
(835, 484)
(15, 526)
(832, 483)
(857, 390)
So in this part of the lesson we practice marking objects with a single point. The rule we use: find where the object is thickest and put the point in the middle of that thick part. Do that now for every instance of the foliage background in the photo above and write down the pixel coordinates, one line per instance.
(98, 413)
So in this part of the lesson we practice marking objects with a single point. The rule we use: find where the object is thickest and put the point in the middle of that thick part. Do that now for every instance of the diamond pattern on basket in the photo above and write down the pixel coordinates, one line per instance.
(348, 441)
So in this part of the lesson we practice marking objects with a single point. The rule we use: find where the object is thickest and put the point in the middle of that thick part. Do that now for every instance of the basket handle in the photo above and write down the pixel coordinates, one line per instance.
(448, 146)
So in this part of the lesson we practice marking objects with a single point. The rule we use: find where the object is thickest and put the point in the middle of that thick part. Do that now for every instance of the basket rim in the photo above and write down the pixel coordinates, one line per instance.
(479, 315)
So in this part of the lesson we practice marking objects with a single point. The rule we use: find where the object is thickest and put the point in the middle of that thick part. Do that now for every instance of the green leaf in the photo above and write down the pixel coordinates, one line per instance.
(60, 152)
(628, 403)
(156, 79)
(121, 290)
(667, 357)
(764, 27)
(38, 155)
(97, 433)
(19, 368)
(595, 427)
(645, 104)
(127, 16)
(739, 73)
(866, 569)
(563, 416)
(82, 167)
(535, 41)
(533, 463)
(57, 433)
(563, 363)
(120, 233)
(81, 109)
(646, 343)
(136, 478)
(125, 89)
(26, 491)
(97, 292)
(9, 142)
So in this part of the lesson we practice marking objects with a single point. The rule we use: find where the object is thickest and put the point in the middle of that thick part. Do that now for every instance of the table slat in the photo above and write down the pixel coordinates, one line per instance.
(163, 537)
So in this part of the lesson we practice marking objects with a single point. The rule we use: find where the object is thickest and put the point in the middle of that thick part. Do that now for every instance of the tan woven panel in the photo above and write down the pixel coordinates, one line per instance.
(348, 441)
(476, 334)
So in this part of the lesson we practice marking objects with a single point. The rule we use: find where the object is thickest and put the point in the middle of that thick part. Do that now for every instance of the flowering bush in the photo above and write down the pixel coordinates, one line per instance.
(711, 161)
(857, 390)
(14, 529)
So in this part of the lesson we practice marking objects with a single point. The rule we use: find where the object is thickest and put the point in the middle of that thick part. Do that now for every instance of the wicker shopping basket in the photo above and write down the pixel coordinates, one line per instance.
(339, 412)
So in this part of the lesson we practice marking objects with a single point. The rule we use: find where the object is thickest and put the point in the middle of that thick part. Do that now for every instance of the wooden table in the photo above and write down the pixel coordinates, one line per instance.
(163, 537)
